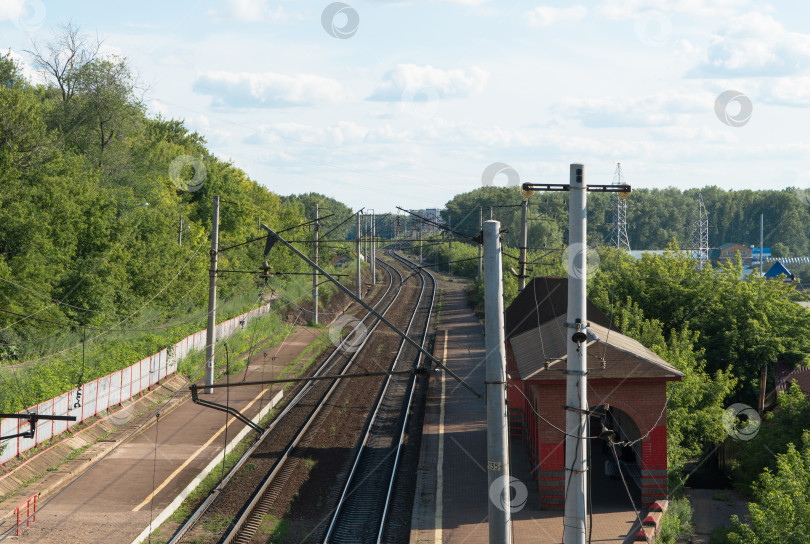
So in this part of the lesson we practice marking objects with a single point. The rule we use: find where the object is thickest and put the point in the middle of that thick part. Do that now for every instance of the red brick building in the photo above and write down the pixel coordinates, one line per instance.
(626, 387)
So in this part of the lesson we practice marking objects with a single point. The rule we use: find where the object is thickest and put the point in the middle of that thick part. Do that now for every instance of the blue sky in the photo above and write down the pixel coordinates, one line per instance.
(412, 106)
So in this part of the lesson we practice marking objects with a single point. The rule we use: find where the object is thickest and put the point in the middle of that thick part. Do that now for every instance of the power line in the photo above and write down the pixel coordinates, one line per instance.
(59, 302)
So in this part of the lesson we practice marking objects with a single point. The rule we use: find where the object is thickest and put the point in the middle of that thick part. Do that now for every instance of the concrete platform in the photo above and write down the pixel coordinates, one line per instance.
(451, 499)
(118, 496)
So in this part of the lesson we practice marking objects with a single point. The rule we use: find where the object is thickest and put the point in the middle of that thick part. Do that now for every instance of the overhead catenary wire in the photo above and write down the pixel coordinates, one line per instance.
(59, 302)
(28, 362)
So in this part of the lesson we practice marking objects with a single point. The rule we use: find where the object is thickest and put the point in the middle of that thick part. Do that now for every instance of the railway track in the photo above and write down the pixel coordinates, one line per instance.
(362, 511)
(294, 428)
(269, 451)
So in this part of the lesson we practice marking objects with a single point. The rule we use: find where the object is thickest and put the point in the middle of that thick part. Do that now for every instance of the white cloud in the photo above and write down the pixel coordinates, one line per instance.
(629, 9)
(268, 89)
(409, 82)
(785, 91)
(337, 134)
(548, 15)
(11, 10)
(755, 44)
(650, 111)
(29, 73)
(252, 11)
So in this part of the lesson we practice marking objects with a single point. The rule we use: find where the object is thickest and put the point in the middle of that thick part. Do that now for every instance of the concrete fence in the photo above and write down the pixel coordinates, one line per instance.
(98, 395)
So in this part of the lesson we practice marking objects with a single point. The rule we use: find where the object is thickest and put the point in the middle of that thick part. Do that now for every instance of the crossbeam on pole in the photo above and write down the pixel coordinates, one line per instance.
(32, 421)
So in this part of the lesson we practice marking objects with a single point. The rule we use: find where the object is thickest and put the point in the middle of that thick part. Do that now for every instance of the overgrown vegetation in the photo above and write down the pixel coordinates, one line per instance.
(780, 513)
(92, 190)
(676, 522)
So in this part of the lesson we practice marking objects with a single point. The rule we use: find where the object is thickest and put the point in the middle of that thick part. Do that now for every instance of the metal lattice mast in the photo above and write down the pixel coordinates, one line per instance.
(620, 238)
(700, 242)
(700, 236)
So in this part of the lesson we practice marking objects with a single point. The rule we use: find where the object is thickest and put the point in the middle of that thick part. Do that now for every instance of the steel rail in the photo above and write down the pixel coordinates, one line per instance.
(349, 486)
(336, 353)
(404, 430)
(236, 527)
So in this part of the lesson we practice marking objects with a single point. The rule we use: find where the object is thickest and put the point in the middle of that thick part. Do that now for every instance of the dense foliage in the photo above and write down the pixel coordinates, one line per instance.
(782, 427)
(92, 191)
(741, 324)
(90, 208)
(781, 511)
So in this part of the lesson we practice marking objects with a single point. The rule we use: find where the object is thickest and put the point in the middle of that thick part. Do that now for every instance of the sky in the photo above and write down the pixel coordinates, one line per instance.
(407, 103)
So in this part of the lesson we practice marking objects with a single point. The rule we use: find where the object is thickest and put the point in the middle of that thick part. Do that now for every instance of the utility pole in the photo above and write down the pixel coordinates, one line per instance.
(449, 249)
(211, 334)
(576, 409)
(576, 453)
(366, 252)
(524, 235)
(180, 232)
(761, 241)
(315, 227)
(420, 242)
(373, 248)
(359, 279)
(480, 246)
(500, 515)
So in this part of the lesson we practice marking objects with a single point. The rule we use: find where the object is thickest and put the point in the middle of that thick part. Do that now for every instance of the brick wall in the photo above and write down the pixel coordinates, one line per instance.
(642, 400)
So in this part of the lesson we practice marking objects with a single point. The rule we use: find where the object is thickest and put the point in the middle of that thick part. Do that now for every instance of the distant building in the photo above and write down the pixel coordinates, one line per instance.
(431, 214)
(728, 252)
(766, 252)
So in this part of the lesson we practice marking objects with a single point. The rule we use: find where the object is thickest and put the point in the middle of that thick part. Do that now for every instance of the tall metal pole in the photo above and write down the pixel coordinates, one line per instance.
(373, 248)
(524, 235)
(180, 232)
(500, 512)
(315, 228)
(576, 462)
(481, 246)
(761, 242)
(420, 242)
(211, 333)
(450, 249)
(359, 255)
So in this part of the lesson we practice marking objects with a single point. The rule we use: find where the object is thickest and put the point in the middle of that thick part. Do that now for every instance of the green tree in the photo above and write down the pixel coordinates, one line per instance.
(779, 428)
(743, 324)
(781, 511)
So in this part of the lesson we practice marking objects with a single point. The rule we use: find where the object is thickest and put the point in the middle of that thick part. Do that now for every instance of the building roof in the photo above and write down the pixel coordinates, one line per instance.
(784, 375)
(777, 269)
(541, 354)
(542, 300)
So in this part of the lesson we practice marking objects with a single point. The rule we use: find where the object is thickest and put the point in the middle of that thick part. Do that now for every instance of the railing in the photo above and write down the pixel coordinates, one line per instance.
(30, 517)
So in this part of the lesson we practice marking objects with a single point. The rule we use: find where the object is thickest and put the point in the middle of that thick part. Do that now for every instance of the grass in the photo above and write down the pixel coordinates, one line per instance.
(720, 535)
(677, 521)
(723, 497)
(273, 528)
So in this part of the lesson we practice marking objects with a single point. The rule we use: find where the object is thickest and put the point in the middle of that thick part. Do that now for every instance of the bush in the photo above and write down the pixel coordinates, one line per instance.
(781, 513)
